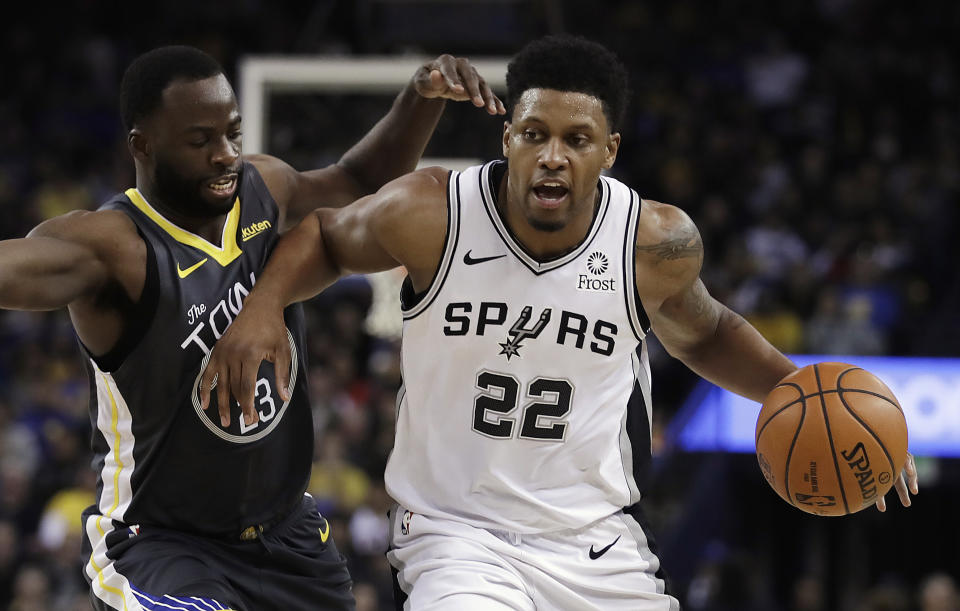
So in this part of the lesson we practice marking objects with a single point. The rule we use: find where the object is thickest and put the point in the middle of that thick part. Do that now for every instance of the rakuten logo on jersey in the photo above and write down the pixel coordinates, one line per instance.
(596, 281)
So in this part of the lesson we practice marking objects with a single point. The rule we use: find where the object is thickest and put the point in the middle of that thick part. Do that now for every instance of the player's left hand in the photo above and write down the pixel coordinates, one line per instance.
(455, 78)
(906, 484)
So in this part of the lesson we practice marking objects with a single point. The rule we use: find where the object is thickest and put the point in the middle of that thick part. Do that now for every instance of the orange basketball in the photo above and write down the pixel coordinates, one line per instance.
(831, 439)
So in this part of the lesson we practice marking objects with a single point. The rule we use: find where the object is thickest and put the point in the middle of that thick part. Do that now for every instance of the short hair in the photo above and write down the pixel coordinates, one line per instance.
(141, 90)
(570, 63)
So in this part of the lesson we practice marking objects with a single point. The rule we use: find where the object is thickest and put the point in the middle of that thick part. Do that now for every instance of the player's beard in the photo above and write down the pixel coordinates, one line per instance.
(184, 195)
(547, 226)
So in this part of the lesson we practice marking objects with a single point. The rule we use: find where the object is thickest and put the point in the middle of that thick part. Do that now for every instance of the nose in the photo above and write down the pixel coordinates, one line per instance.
(225, 152)
(553, 155)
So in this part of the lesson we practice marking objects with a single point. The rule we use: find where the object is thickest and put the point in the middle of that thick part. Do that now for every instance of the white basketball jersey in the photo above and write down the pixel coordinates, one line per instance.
(526, 397)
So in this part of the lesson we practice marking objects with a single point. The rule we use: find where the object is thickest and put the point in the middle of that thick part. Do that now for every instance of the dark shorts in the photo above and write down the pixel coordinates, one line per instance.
(292, 565)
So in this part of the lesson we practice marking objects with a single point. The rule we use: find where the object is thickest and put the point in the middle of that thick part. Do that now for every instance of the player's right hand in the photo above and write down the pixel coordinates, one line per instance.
(257, 334)
(905, 485)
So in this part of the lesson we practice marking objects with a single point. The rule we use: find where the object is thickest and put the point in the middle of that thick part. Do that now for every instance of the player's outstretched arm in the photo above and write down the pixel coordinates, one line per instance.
(708, 337)
(402, 224)
(390, 149)
(52, 267)
(714, 341)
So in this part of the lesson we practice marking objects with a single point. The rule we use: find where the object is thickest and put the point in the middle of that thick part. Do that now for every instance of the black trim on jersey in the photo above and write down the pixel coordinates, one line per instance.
(408, 296)
(641, 313)
(638, 432)
(399, 596)
(635, 512)
(410, 299)
(496, 170)
(630, 268)
(137, 320)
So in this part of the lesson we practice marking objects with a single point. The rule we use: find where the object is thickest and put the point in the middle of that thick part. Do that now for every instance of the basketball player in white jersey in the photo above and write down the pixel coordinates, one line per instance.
(523, 426)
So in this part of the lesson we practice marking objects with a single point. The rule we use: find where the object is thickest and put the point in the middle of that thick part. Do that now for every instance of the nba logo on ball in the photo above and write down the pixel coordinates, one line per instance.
(831, 438)
(405, 522)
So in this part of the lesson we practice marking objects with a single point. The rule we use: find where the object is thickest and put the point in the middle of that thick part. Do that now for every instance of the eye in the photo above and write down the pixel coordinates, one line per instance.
(198, 143)
(579, 140)
(236, 135)
(530, 134)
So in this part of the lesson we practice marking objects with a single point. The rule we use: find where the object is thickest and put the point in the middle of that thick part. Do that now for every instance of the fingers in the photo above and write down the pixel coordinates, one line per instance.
(244, 388)
(494, 104)
(281, 366)
(207, 383)
(455, 78)
(910, 469)
(905, 485)
(447, 66)
(471, 81)
(902, 491)
(223, 398)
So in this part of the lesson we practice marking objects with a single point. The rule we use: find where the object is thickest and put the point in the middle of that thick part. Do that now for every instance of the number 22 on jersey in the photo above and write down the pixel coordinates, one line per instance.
(546, 403)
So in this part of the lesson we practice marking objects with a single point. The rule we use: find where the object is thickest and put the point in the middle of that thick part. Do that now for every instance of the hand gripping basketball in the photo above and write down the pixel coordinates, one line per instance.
(832, 439)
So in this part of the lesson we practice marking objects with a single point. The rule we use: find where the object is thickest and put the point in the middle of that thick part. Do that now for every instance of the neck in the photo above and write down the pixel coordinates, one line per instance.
(539, 243)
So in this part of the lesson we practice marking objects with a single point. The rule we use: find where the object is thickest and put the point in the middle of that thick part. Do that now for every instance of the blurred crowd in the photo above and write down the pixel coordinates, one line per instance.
(813, 143)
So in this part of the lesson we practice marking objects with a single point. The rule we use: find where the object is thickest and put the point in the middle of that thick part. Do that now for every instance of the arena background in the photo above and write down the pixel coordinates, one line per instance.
(814, 144)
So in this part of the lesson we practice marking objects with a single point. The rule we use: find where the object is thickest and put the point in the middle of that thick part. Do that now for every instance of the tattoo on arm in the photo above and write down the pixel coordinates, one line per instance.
(699, 299)
(688, 244)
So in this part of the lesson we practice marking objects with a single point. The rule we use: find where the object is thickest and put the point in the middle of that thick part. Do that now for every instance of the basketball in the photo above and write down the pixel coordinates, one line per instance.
(831, 439)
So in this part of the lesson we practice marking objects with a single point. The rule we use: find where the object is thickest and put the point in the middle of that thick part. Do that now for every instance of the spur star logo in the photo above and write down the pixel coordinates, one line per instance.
(519, 331)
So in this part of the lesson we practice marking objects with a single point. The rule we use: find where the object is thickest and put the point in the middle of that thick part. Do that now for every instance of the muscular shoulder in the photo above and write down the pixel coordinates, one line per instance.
(423, 189)
(278, 175)
(102, 230)
(413, 208)
(669, 251)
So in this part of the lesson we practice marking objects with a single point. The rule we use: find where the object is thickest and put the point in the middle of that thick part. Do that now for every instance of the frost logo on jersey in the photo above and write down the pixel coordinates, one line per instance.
(597, 264)
(519, 332)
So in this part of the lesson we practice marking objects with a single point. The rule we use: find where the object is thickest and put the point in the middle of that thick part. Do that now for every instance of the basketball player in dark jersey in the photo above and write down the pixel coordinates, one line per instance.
(523, 426)
(203, 509)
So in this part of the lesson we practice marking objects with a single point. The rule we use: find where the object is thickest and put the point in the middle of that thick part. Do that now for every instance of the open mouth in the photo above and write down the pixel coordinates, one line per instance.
(223, 186)
(550, 194)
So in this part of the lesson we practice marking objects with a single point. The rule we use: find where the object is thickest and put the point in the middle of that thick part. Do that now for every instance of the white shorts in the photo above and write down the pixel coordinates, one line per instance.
(444, 564)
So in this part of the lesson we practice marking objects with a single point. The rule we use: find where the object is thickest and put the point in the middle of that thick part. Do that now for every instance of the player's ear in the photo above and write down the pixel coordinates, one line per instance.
(612, 146)
(506, 138)
(137, 144)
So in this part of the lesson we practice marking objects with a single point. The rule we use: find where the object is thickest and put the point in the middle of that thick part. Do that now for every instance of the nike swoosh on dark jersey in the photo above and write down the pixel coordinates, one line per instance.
(596, 554)
(471, 261)
(183, 273)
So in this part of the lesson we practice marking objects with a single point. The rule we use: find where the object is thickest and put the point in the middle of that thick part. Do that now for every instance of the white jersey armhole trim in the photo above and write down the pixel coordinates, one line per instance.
(449, 248)
(630, 267)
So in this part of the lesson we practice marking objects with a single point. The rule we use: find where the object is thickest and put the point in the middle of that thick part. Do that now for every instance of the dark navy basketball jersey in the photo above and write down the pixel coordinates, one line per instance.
(161, 459)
